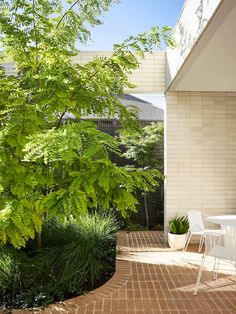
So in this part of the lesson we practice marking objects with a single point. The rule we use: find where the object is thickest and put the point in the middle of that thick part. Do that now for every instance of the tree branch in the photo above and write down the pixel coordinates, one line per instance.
(63, 113)
(36, 50)
(59, 121)
(63, 16)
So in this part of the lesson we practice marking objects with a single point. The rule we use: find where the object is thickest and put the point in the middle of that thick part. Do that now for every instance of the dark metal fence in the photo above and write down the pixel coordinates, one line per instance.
(155, 200)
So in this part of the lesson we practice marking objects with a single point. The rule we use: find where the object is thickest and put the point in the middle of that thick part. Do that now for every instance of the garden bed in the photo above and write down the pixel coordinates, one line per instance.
(73, 260)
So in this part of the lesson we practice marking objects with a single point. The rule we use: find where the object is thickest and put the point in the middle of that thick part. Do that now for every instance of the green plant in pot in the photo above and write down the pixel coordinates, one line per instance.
(177, 235)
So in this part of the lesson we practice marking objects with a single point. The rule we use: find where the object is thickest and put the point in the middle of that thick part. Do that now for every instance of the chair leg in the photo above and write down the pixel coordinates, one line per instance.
(199, 274)
(189, 236)
(216, 268)
(201, 243)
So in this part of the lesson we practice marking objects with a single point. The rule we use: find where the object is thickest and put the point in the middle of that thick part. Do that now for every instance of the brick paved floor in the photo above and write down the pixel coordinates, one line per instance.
(150, 278)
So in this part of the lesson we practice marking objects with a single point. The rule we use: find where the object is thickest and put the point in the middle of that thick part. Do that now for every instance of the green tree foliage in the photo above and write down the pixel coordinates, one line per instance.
(146, 147)
(51, 166)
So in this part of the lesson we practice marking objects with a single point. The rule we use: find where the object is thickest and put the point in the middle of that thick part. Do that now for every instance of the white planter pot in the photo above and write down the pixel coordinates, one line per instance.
(177, 241)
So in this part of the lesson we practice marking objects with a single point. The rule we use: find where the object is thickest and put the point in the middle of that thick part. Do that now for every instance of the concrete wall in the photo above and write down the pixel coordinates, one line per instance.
(150, 77)
(193, 19)
(200, 160)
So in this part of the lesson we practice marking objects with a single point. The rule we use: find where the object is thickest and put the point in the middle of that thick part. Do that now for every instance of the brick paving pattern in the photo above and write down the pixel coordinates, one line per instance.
(152, 279)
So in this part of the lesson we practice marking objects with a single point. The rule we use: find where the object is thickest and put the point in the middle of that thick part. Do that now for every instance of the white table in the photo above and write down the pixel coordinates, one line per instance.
(223, 247)
(228, 222)
(223, 220)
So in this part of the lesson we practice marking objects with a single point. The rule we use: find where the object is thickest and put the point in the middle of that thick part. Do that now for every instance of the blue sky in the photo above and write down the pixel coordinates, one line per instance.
(131, 17)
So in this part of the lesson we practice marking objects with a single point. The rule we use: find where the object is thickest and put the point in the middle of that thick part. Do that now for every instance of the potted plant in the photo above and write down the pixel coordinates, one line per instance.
(177, 235)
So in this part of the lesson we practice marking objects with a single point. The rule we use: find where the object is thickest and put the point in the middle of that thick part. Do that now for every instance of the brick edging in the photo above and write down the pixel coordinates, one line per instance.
(118, 280)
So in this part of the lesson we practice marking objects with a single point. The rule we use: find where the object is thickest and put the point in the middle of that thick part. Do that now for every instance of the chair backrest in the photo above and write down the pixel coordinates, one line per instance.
(195, 221)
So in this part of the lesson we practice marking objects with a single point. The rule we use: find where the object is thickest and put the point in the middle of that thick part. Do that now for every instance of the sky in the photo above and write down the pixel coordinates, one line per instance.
(131, 17)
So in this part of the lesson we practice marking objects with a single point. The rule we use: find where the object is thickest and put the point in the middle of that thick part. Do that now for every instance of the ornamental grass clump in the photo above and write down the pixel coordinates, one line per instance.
(74, 258)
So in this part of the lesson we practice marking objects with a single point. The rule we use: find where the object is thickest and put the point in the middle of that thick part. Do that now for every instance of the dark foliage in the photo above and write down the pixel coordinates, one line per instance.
(74, 258)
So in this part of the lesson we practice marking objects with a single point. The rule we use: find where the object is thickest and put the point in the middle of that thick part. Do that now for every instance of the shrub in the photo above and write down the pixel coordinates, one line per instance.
(74, 258)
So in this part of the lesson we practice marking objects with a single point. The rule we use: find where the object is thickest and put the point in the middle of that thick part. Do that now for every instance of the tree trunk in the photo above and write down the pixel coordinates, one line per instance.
(38, 238)
(146, 209)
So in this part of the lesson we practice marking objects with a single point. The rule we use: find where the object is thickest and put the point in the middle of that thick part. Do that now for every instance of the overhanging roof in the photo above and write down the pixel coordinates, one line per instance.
(146, 110)
(211, 64)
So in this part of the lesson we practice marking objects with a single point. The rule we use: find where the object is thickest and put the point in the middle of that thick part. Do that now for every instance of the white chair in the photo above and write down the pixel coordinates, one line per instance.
(196, 228)
(219, 247)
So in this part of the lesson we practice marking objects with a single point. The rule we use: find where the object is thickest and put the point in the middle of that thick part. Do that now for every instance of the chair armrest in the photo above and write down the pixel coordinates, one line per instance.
(204, 216)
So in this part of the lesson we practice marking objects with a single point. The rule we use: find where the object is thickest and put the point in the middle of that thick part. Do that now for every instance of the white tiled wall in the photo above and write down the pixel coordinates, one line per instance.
(200, 153)
(150, 77)
(9, 68)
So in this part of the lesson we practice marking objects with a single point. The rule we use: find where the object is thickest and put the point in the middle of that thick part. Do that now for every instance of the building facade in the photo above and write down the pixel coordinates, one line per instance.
(200, 150)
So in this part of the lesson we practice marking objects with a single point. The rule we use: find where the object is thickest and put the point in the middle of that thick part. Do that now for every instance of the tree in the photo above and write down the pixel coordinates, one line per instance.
(146, 148)
(51, 166)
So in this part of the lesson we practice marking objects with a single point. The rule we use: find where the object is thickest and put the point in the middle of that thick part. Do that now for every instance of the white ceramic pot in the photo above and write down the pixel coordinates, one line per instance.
(177, 241)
